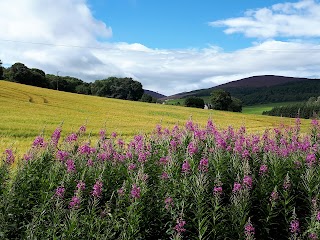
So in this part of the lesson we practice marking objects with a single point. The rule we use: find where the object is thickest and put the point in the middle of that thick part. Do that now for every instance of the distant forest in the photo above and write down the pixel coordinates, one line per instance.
(113, 87)
(308, 109)
(287, 92)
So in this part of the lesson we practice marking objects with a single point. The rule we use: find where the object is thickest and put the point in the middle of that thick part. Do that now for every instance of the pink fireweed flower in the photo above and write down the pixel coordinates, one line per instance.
(74, 203)
(72, 138)
(103, 156)
(294, 226)
(318, 216)
(204, 165)
(82, 129)
(311, 159)
(90, 163)
(245, 153)
(60, 192)
(56, 136)
(169, 203)
(84, 149)
(274, 196)
(135, 191)
(247, 181)
(9, 156)
(38, 142)
(131, 166)
(217, 190)
(192, 148)
(190, 126)
(120, 143)
(62, 155)
(159, 129)
(186, 167)
(129, 155)
(263, 169)
(142, 158)
(314, 122)
(114, 134)
(164, 176)
(81, 186)
(173, 144)
(313, 236)
(71, 167)
(102, 134)
(180, 226)
(249, 229)
(236, 187)
(97, 189)
(27, 157)
(163, 160)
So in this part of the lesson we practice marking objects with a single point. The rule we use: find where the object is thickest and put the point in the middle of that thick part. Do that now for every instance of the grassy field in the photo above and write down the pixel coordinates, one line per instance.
(27, 111)
(258, 109)
(255, 109)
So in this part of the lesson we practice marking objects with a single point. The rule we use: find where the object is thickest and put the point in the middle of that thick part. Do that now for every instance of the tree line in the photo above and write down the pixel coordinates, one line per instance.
(112, 87)
(219, 100)
(309, 109)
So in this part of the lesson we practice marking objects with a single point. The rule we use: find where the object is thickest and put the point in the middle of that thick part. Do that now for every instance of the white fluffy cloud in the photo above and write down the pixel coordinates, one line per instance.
(78, 46)
(299, 19)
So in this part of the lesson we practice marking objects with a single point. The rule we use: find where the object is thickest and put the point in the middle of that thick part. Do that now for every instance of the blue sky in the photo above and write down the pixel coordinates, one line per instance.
(169, 46)
(173, 24)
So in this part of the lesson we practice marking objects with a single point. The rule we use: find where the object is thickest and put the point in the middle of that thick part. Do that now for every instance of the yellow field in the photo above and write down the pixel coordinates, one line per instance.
(26, 111)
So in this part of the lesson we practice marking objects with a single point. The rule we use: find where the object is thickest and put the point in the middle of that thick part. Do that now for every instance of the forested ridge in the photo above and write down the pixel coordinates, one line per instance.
(287, 92)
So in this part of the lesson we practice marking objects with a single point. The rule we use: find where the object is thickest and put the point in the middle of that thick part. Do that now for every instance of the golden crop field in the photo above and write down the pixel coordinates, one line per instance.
(27, 111)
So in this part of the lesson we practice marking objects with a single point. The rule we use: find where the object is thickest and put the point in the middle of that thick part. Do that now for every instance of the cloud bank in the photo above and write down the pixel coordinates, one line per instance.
(64, 36)
(299, 19)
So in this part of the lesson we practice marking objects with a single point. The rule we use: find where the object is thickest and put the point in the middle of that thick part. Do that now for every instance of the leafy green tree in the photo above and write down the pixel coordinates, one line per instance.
(20, 73)
(146, 98)
(235, 105)
(220, 99)
(121, 88)
(194, 102)
(84, 88)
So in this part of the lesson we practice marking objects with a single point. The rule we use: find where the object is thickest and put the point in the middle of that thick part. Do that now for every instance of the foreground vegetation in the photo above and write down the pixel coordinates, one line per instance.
(26, 111)
(179, 183)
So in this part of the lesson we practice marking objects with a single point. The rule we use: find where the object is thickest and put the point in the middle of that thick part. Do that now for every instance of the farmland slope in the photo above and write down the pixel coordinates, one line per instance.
(26, 111)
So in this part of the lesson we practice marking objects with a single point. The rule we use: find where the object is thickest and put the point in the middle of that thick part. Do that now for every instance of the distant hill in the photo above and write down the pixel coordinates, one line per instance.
(264, 89)
(154, 94)
(262, 81)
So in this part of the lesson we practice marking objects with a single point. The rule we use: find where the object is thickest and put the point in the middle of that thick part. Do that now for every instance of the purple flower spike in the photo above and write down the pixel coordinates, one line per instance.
(180, 226)
(97, 189)
(186, 167)
(9, 156)
(217, 191)
(135, 191)
(74, 203)
(236, 187)
(247, 181)
(60, 192)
